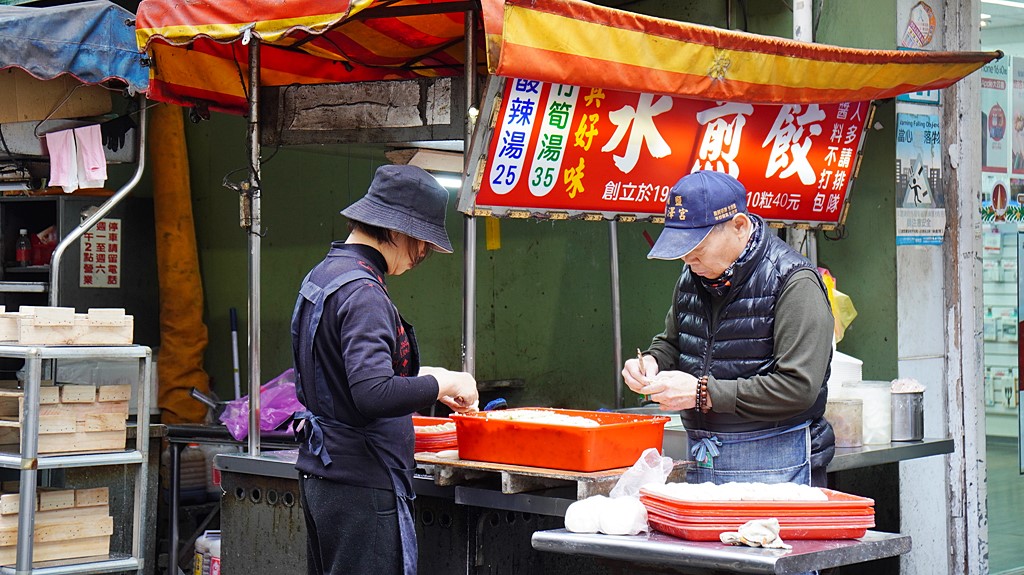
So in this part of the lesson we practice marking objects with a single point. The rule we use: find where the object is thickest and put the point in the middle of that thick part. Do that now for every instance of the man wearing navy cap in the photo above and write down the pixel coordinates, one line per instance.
(747, 343)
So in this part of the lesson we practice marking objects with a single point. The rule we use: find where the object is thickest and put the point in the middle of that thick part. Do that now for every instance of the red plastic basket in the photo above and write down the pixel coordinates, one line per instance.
(617, 440)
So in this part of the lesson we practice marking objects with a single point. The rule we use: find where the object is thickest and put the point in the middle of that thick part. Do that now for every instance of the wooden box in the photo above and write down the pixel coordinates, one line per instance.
(8, 325)
(69, 523)
(62, 326)
(72, 418)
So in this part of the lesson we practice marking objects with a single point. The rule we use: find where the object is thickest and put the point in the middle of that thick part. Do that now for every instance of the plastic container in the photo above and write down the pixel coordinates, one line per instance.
(433, 441)
(617, 440)
(203, 555)
(877, 423)
(838, 503)
(712, 532)
(908, 416)
(215, 557)
(847, 419)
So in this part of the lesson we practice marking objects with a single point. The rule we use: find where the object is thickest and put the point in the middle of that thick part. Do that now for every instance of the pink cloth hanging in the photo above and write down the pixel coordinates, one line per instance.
(63, 160)
(91, 162)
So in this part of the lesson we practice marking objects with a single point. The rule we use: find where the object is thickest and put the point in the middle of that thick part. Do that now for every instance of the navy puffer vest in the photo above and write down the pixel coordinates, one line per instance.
(740, 341)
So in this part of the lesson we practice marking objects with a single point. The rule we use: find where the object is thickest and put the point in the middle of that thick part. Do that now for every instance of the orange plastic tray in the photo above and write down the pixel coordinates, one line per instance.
(711, 532)
(852, 517)
(838, 503)
(617, 440)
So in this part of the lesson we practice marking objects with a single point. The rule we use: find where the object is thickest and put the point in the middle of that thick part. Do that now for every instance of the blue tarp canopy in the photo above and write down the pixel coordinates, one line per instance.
(92, 41)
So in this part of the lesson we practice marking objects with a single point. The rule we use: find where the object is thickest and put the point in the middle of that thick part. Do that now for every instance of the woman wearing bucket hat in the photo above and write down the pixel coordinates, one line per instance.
(358, 374)
(747, 343)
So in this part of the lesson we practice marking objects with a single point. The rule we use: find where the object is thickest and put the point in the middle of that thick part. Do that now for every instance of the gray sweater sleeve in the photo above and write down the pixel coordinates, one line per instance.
(803, 345)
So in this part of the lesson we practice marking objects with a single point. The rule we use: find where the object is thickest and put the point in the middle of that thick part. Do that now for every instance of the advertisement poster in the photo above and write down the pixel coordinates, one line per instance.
(917, 24)
(101, 255)
(1017, 137)
(557, 147)
(1001, 198)
(920, 213)
(995, 139)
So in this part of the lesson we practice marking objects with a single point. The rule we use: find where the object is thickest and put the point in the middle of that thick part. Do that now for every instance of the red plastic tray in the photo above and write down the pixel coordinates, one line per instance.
(434, 441)
(838, 503)
(855, 517)
(712, 532)
(617, 440)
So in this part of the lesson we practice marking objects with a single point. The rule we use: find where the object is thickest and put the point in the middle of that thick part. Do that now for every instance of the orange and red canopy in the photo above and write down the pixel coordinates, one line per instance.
(197, 59)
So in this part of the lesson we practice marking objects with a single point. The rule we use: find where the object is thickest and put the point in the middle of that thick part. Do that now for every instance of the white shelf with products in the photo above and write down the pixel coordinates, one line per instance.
(1000, 318)
(28, 461)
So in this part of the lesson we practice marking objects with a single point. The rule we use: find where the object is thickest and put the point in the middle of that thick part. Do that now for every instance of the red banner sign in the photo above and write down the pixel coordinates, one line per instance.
(557, 147)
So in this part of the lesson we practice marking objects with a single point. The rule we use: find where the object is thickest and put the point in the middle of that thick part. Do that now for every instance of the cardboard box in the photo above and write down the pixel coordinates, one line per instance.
(29, 99)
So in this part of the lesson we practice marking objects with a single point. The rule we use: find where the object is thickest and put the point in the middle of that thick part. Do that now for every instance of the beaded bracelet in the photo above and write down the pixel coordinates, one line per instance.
(702, 395)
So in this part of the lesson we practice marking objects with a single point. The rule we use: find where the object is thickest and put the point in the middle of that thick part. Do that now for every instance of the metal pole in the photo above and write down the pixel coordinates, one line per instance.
(254, 231)
(103, 210)
(613, 244)
(469, 278)
(803, 30)
(29, 463)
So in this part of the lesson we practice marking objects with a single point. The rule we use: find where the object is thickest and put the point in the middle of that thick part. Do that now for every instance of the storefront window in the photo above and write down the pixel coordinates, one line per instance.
(1002, 189)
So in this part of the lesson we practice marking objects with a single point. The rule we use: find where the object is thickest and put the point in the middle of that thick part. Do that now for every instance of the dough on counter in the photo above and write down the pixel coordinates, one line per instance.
(448, 427)
(542, 416)
(738, 492)
(600, 514)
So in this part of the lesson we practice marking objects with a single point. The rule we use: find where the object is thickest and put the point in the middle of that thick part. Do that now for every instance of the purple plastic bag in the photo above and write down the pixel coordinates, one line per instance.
(277, 403)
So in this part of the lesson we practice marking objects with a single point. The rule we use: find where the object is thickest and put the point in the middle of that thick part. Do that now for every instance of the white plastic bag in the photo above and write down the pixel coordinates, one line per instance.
(650, 468)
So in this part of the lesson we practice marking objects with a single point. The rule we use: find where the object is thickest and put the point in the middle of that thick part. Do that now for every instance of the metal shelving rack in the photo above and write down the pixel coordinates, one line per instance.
(29, 462)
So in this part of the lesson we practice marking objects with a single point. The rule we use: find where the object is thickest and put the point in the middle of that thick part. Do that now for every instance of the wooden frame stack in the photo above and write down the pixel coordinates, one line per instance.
(69, 523)
(72, 417)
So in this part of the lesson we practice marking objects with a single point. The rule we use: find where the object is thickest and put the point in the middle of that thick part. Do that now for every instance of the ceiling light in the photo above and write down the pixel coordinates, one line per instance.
(450, 182)
(1009, 3)
(986, 16)
(983, 23)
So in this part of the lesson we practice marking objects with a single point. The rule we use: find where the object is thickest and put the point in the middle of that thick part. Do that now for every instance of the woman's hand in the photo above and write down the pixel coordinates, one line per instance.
(456, 389)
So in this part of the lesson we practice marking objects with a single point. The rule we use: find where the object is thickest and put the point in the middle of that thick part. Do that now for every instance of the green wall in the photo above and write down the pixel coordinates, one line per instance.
(544, 297)
(864, 262)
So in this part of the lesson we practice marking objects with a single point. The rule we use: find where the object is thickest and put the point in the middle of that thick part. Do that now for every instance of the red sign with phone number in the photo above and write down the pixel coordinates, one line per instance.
(557, 147)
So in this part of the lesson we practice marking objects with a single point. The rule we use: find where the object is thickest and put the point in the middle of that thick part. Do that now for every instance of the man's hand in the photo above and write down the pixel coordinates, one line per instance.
(635, 376)
(456, 389)
(674, 390)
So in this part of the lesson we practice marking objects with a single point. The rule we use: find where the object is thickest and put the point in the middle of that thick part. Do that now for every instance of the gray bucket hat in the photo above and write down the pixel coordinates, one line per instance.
(405, 199)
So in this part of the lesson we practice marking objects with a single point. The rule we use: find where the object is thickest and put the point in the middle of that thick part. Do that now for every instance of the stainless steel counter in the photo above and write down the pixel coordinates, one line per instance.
(871, 455)
(669, 552)
(282, 463)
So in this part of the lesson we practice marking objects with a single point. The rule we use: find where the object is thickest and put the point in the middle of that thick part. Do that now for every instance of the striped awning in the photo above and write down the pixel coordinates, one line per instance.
(197, 57)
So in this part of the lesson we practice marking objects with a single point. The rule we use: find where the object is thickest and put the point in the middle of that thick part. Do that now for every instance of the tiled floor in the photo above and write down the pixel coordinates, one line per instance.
(1005, 507)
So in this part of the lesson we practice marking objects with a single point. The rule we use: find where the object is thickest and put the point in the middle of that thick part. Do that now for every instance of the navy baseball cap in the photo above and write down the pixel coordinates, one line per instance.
(696, 204)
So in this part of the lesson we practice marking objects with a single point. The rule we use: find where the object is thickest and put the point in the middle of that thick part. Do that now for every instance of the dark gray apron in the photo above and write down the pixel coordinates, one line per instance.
(312, 425)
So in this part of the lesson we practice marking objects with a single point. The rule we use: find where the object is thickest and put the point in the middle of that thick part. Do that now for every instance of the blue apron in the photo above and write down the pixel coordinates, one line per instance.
(778, 455)
(312, 424)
